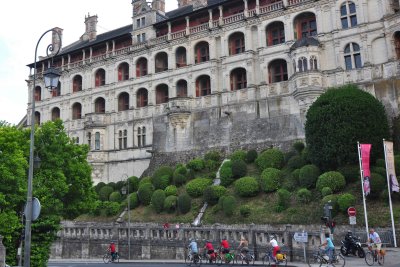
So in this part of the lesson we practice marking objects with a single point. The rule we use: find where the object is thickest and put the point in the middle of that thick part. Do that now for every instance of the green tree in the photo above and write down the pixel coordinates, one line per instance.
(337, 120)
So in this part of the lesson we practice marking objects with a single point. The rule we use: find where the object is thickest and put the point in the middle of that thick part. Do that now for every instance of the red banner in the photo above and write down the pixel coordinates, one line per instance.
(365, 151)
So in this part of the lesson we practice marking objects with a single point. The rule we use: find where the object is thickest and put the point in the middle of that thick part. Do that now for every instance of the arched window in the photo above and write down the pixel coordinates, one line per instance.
(161, 93)
(352, 56)
(305, 25)
(141, 67)
(123, 71)
(77, 83)
(181, 57)
(181, 88)
(201, 52)
(123, 101)
(97, 141)
(161, 62)
(55, 114)
(57, 91)
(203, 86)
(348, 15)
(100, 105)
(238, 79)
(277, 71)
(100, 78)
(89, 140)
(37, 117)
(397, 44)
(275, 33)
(313, 63)
(236, 43)
(302, 64)
(76, 111)
(38, 93)
(142, 98)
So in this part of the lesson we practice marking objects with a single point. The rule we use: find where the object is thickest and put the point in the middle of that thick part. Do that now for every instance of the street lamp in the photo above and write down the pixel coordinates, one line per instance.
(51, 82)
(125, 190)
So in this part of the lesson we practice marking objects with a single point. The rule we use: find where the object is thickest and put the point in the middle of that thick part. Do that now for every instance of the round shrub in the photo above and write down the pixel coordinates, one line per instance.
(112, 184)
(345, 201)
(144, 180)
(134, 200)
(98, 186)
(337, 120)
(228, 205)
(119, 185)
(299, 146)
(133, 183)
(238, 155)
(377, 184)
(184, 203)
(105, 192)
(283, 199)
(296, 175)
(334, 180)
(379, 170)
(213, 155)
(161, 182)
(110, 208)
(296, 162)
(245, 211)
(163, 171)
(170, 203)
(304, 195)
(171, 190)
(115, 197)
(212, 193)
(271, 158)
(270, 180)
(290, 181)
(308, 175)
(145, 192)
(225, 173)
(157, 200)
(350, 172)
(180, 175)
(196, 164)
(326, 191)
(239, 168)
(211, 165)
(195, 187)
(247, 187)
(251, 156)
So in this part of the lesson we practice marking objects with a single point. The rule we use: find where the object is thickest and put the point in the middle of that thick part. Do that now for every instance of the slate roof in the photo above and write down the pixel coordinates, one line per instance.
(308, 41)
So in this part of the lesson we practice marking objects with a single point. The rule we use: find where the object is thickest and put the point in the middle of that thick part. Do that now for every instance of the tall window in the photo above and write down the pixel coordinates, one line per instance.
(57, 91)
(201, 52)
(397, 44)
(100, 105)
(238, 79)
(313, 63)
(141, 136)
(302, 64)
(97, 141)
(55, 114)
(123, 71)
(181, 57)
(203, 86)
(89, 140)
(37, 118)
(76, 111)
(236, 43)
(348, 15)
(120, 140)
(123, 101)
(142, 98)
(277, 71)
(352, 56)
(181, 88)
(161, 94)
(125, 139)
(141, 67)
(100, 78)
(38, 93)
(161, 62)
(77, 83)
(305, 25)
(275, 33)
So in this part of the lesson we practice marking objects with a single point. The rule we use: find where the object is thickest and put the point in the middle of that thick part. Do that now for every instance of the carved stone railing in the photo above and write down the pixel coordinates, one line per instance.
(234, 18)
(199, 28)
(271, 7)
(296, 2)
(177, 35)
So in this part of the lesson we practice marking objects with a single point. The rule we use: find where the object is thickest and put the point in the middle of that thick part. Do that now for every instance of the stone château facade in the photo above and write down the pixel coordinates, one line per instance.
(214, 74)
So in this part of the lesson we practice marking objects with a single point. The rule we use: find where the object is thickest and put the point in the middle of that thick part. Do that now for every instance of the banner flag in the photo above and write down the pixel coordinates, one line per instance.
(365, 151)
(390, 169)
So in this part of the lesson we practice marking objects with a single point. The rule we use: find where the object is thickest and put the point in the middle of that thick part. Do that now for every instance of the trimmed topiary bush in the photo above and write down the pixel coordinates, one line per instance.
(296, 162)
(239, 168)
(326, 191)
(304, 195)
(110, 208)
(213, 193)
(180, 175)
(334, 180)
(105, 192)
(271, 158)
(283, 199)
(98, 186)
(308, 176)
(196, 164)
(213, 155)
(251, 156)
(247, 187)
(299, 146)
(350, 172)
(228, 205)
(145, 192)
(379, 170)
(377, 183)
(157, 200)
(115, 197)
(345, 201)
(245, 211)
(225, 174)
(184, 203)
(290, 181)
(144, 180)
(133, 182)
(119, 185)
(238, 155)
(113, 185)
(196, 187)
(170, 203)
(211, 165)
(161, 182)
(134, 200)
(171, 190)
(338, 119)
(270, 180)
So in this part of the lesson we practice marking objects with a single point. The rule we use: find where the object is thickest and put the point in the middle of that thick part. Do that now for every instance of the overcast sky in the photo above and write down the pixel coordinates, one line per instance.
(22, 24)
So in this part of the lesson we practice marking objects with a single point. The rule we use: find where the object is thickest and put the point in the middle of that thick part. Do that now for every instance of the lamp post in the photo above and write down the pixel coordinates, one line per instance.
(124, 191)
(51, 77)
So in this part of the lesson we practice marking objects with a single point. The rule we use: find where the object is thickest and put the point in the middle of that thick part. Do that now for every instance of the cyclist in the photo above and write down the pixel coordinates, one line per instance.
(243, 246)
(275, 248)
(193, 247)
(209, 249)
(329, 247)
(224, 246)
(112, 250)
(374, 241)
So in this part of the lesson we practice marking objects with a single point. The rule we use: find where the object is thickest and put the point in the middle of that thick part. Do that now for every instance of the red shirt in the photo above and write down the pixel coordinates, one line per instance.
(225, 243)
(209, 246)
(112, 247)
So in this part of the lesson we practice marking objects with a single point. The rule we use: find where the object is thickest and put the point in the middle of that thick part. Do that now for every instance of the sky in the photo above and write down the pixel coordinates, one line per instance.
(23, 23)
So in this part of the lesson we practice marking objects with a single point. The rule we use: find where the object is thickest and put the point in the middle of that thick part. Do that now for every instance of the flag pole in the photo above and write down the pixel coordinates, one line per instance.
(362, 187)
(390, 193)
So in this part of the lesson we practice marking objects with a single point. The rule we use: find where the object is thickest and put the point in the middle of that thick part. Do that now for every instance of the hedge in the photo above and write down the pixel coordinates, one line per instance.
(270, 180)
(247, 187)
(195, 188)
(157, 200)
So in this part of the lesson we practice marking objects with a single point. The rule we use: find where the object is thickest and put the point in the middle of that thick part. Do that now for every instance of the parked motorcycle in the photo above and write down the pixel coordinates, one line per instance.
(352, 245)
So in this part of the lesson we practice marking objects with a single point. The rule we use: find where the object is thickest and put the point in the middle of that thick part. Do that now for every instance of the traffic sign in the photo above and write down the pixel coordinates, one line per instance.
(301, 237)
(35, 209)
(353, 220)
(351, 211)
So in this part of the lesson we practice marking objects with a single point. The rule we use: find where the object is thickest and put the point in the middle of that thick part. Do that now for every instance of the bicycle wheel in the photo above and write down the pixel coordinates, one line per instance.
(197, 260)
(238, 259)
(188, 260)
(339, 260)
(381, 259)
(369, 258)
(251, 259)
(313, 261)
(218, 260)
(107, 258)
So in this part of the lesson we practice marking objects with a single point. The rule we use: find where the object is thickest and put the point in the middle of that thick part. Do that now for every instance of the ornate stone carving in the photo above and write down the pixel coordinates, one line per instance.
(179, 119)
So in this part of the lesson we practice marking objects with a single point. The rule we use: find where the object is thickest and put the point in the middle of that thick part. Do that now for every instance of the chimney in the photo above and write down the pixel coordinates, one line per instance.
(56, 39)
(91, 28)
(159, 5)
(182, 3)
(199, 4)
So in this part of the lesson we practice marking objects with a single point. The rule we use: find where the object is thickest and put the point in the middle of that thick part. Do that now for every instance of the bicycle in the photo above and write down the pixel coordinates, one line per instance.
(107, 257)
(245, 258)
(319, 258)
(227, 258)
(268, 259)
(193, 259)
(374, 256)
